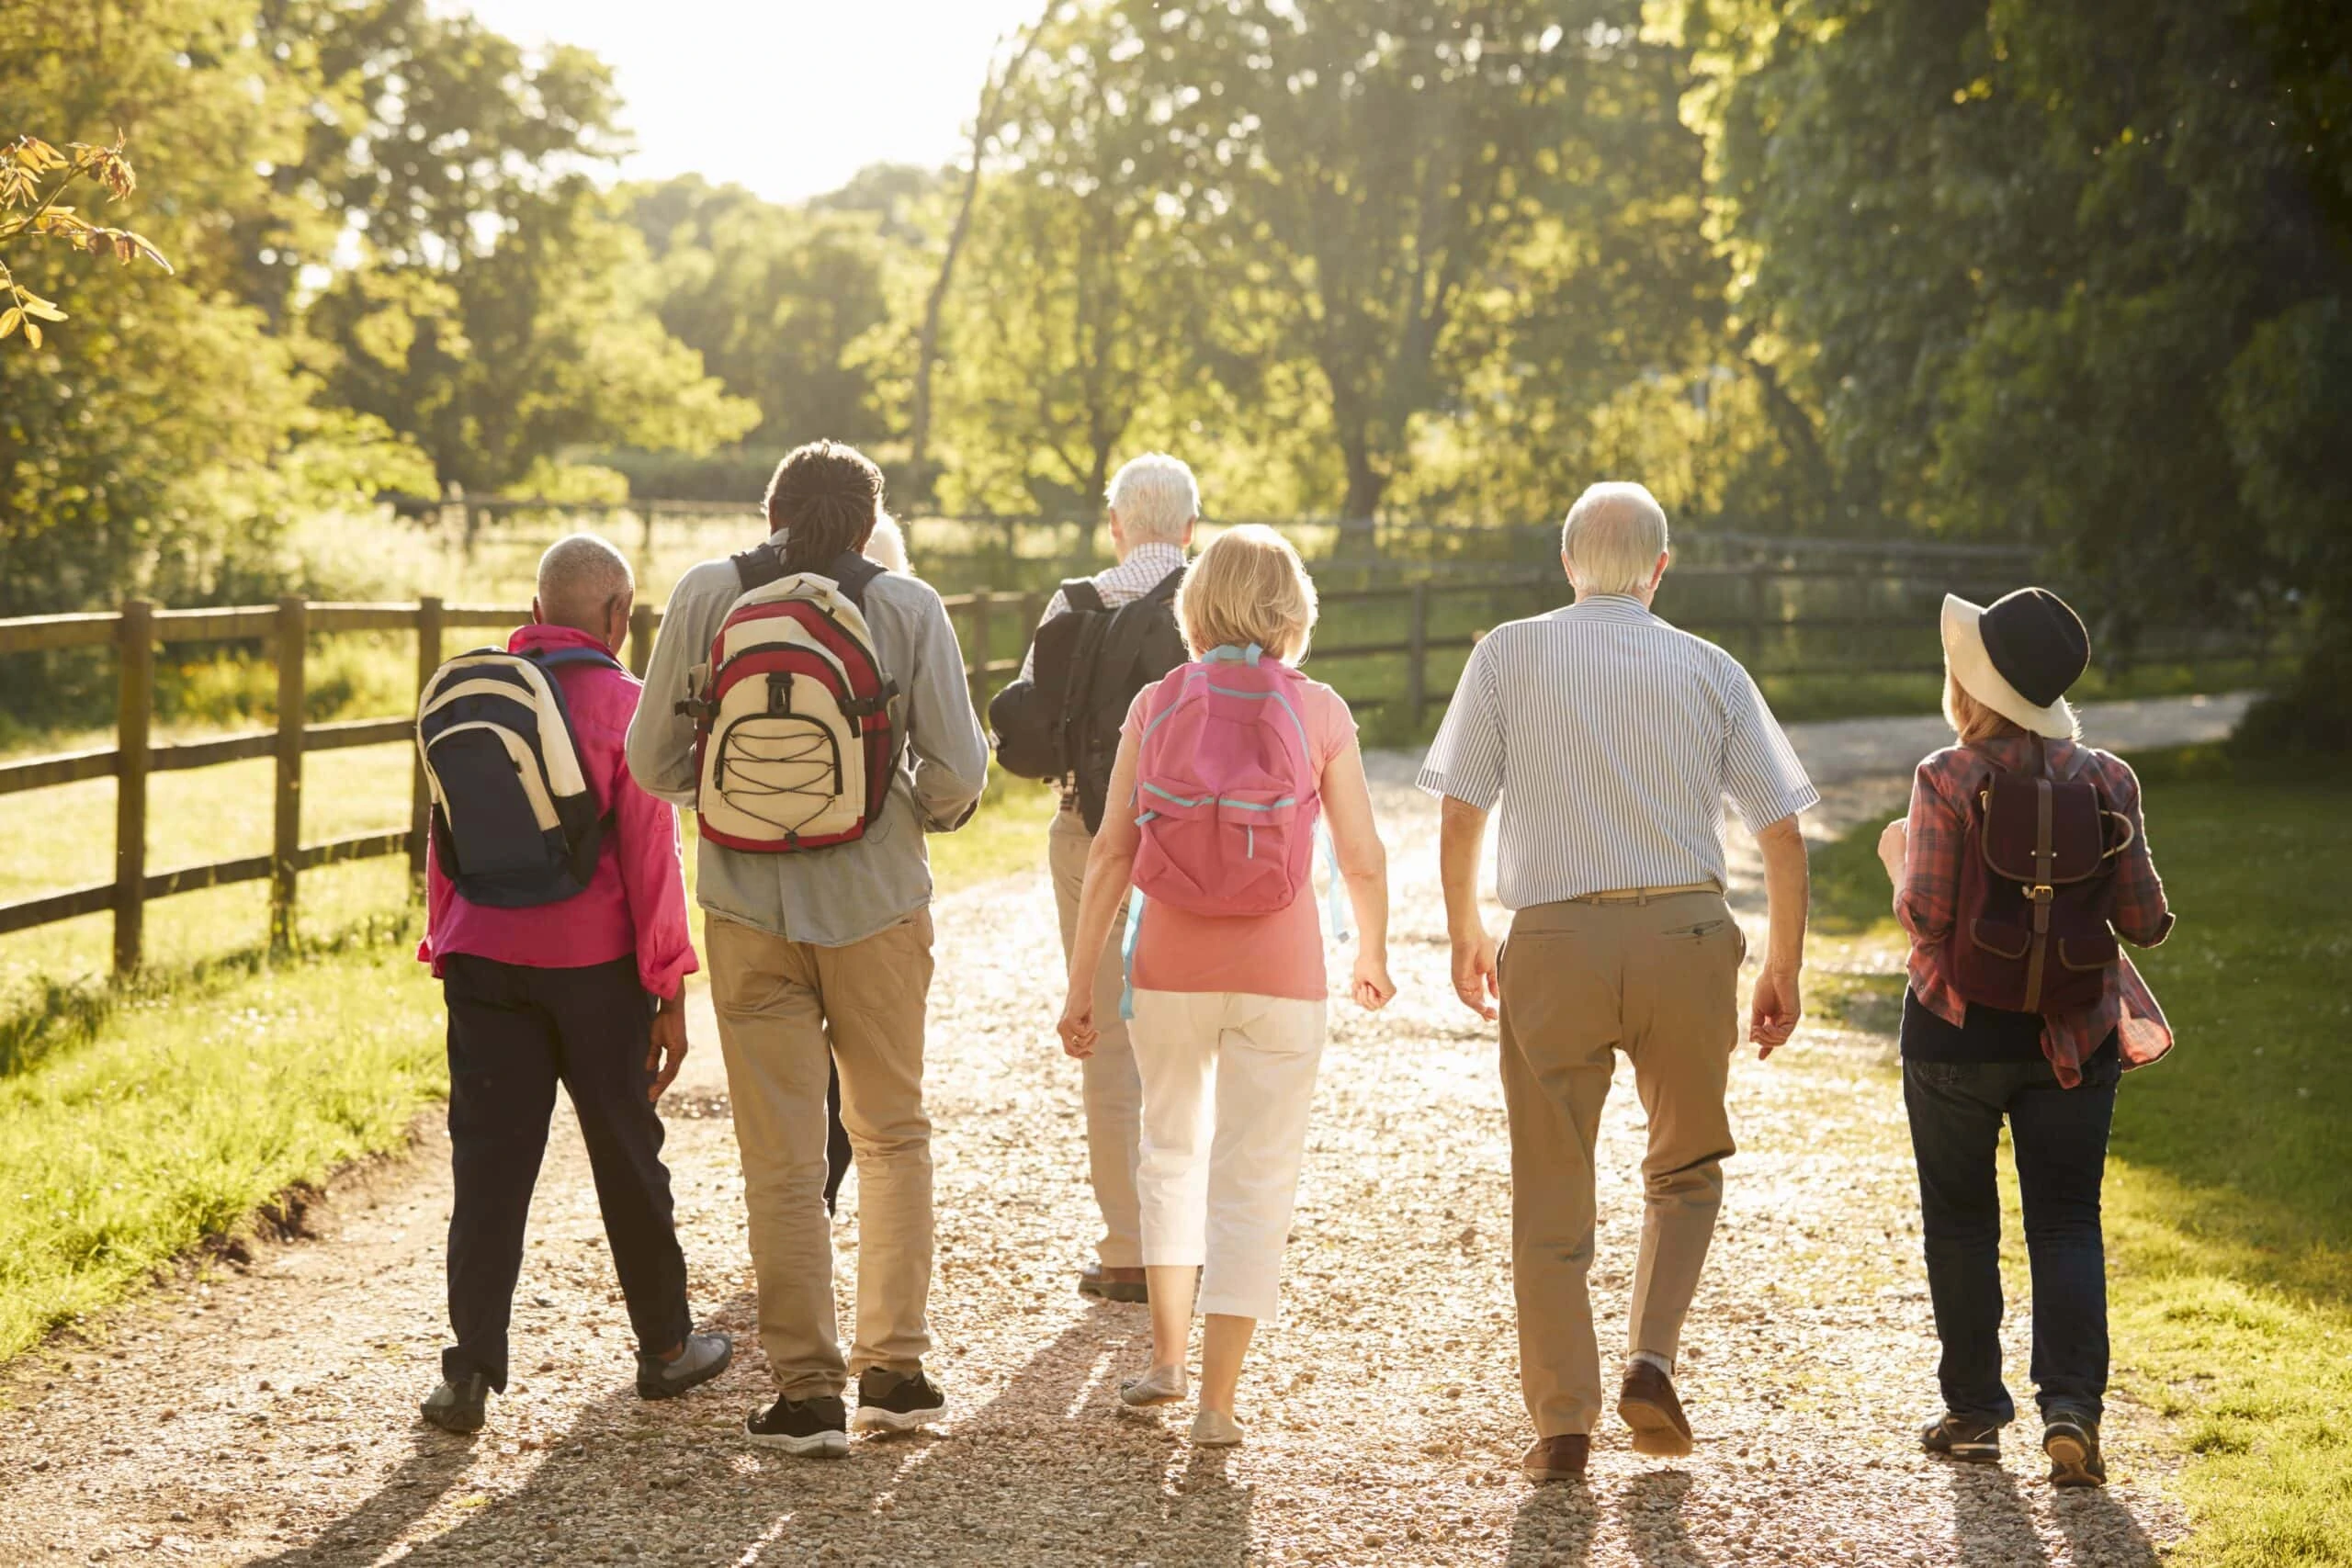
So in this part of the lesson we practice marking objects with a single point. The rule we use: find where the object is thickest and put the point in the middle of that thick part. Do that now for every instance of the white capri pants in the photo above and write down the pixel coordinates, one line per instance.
(1221, 1199)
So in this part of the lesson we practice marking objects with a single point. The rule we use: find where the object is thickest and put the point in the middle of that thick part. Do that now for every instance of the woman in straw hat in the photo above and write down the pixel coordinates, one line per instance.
(2051, 1073)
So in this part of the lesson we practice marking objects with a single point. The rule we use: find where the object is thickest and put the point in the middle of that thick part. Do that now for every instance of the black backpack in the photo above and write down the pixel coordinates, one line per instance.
(1062, 724)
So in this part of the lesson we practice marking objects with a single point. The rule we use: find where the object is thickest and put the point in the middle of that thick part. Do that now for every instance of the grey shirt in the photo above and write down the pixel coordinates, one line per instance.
(845, 894)
(1610, 738)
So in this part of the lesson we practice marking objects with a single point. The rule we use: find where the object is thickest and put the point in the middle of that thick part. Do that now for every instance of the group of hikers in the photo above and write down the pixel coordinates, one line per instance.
(807, 699)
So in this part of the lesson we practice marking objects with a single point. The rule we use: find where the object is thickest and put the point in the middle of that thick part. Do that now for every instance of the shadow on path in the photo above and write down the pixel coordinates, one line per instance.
(1554, 1527)
(1048, 1470)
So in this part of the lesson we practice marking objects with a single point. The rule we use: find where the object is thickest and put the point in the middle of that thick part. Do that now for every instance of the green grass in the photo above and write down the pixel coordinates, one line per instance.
(2229, 1193)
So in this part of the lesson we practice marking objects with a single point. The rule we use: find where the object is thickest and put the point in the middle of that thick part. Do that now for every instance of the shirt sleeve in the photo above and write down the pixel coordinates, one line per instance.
(653, 882)
(1938, 832)
(946, 749)
(1761, 772)
(660, 744)
(2142, 915)
(1466, 759)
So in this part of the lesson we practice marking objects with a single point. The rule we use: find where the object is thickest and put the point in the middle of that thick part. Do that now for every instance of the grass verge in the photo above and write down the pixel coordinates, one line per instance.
(2229, 1200)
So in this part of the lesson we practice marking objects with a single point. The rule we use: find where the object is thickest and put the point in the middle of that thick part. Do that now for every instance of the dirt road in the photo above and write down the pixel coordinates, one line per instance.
(266, 1412)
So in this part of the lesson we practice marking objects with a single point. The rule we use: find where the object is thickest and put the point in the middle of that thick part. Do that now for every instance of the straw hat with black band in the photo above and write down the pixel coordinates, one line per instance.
(2018, 656)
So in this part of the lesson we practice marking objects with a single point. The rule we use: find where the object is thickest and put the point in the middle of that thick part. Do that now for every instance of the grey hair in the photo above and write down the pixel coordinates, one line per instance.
(1614, 536)
(1156, 498)
(580, 577)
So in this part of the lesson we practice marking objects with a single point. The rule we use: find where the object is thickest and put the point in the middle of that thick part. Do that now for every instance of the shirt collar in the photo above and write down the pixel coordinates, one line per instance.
(1608, 607)
(542, 635)
(1154, 552)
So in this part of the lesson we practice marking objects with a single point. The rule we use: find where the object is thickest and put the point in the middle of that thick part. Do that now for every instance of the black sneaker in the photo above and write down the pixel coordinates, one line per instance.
(1970, 1438)
(897, 1402)
(459, 1404)
(812, 1428)
(704, 1356)
(2072, 1443)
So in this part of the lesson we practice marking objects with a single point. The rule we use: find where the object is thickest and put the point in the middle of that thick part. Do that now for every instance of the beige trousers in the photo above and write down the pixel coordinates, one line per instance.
(776, 1000)
(1109, 1085)
(1657, 980)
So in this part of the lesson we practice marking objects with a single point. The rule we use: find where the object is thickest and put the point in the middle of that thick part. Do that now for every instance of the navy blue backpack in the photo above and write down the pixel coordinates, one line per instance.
(515, 823)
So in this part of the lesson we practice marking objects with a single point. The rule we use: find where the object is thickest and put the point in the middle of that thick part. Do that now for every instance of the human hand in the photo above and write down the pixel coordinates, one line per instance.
(1476, 980)
(1773, 1015)
(669, 1041)
(1076, 1025)
(1372, 987)
(1894, 848)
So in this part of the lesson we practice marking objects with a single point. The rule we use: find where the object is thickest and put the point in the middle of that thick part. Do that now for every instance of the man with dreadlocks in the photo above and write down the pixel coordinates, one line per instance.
(808, 939)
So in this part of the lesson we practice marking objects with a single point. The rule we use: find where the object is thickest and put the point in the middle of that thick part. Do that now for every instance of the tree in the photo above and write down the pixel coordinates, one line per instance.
(29, 212)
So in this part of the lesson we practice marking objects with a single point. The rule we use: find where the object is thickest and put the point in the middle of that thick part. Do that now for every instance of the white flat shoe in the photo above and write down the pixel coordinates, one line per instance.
(1215, 1430)
(1161, 1385)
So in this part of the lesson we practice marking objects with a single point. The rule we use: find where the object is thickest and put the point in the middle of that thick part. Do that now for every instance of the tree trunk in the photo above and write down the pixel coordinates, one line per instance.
(1367, 485)
(984, 124)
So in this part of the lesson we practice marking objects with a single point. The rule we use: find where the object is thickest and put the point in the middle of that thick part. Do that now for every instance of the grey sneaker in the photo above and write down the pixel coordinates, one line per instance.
(459, 1404)
(704, 1356)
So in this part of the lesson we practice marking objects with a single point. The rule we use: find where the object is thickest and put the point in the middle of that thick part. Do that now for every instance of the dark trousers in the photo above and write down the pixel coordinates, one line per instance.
(514, 1033)
(2060, 1141)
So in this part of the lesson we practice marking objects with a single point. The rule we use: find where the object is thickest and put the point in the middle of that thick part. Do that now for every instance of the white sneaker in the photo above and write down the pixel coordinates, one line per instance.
(1161, 1385)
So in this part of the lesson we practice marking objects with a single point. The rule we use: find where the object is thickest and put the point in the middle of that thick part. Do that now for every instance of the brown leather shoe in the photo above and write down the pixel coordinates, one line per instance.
(1557, 1458)
(1112, 1284)
(1647, 1404)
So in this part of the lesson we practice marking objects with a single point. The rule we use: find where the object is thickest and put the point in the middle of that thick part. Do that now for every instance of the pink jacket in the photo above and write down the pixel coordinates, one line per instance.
(637, 902)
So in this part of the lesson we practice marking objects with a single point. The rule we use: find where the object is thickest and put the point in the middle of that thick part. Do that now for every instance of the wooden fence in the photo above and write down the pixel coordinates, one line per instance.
(990, 622)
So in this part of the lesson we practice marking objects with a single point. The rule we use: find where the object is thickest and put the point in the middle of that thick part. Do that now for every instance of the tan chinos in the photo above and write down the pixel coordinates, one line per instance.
(774, 1000)
(1110, 1086)
(1656, 978)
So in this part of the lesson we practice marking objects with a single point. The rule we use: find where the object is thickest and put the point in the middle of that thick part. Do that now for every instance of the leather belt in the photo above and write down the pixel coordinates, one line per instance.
(1644, 895)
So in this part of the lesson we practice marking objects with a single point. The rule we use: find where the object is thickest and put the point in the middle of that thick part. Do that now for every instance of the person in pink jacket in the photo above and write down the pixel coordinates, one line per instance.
(590, 993)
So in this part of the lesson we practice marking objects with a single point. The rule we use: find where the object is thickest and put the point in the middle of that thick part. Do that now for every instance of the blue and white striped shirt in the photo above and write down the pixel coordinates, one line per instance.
(1610, 738)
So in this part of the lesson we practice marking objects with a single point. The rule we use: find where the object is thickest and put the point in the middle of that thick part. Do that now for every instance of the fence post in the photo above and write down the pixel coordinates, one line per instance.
(285, 850)
(645, 554)
(976, 660)
(640, 639)
(1758, 571)
(1416, 674)
(420, 798)
(135, 660)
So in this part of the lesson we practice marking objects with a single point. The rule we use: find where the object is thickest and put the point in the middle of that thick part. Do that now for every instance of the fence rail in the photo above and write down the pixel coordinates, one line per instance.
(988, 621)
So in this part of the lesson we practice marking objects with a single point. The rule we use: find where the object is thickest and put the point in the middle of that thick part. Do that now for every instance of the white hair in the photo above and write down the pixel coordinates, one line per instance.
(580, 577)
(1614, 536)
(887, 546)
(1156, 498)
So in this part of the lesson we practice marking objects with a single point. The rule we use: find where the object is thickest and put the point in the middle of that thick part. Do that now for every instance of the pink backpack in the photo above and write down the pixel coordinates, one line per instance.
(1226, 788)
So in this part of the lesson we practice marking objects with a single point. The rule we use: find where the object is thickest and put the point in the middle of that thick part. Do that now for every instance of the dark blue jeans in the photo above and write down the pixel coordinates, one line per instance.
(2059, 1140)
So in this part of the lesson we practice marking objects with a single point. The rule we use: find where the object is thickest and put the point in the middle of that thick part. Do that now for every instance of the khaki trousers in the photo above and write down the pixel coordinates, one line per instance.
(1110, 1087)
(776, 1000)
(1657, 980)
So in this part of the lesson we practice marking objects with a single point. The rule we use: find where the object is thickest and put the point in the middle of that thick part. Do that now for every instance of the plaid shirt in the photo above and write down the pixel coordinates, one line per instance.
(1942, 807)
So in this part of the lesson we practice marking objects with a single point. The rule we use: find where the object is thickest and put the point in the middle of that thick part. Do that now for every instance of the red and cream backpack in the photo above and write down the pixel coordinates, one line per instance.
(795, 733)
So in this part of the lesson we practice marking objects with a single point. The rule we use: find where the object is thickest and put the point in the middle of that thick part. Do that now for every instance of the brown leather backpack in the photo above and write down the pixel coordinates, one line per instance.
(2032, 929)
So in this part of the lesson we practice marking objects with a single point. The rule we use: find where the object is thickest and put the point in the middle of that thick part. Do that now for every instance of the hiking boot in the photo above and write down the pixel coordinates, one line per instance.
(1647, 1402)
(1557, 1458)
(1970, 1438)
(2072, 1443)
(704, 1356)
(1112, 1284)
(897, 1402)
(459, 1404)
(812, 1428)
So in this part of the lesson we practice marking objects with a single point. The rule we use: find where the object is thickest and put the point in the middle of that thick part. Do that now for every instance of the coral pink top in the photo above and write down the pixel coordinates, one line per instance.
(1279, 954)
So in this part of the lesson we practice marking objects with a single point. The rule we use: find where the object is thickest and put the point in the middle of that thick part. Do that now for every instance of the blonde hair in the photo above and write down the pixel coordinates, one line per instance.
(1614, 536)
(1972, 720)
(1248, 587)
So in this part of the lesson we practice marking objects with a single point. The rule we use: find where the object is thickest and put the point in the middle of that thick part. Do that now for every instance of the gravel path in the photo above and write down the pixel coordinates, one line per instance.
(263, 1411)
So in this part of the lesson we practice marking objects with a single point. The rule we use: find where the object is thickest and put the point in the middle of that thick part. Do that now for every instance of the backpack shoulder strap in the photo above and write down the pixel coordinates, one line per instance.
(562, 657)
(1164, 591)
(855, 572)
(1082, 593)
(757, 567)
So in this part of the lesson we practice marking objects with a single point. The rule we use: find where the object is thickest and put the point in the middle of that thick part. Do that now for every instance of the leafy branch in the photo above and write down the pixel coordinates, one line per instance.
(26, 166)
